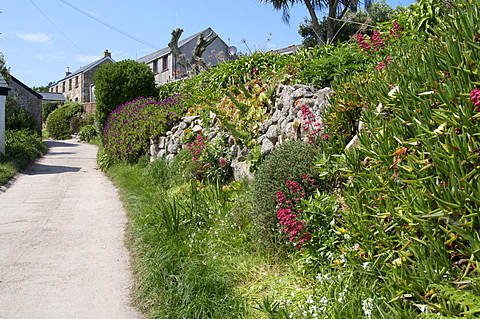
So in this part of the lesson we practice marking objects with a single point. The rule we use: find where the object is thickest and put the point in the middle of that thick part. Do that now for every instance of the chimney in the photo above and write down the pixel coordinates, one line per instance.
(106, 53)
(67, 73)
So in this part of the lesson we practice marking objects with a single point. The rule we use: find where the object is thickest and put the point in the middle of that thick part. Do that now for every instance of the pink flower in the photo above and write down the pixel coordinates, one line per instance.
(475, 98)
(325, 137)
(380, 66)
(388, 59)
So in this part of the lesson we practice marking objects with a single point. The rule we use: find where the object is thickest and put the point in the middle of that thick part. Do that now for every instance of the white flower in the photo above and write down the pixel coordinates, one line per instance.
(324, 301)
(367, 306)
(310, 299)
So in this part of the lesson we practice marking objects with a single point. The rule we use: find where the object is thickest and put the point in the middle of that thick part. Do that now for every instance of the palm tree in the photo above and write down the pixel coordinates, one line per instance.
(311, 5)
(336, 10)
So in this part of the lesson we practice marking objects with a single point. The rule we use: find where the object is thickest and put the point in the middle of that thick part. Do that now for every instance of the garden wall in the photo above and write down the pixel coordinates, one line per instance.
(287, 122)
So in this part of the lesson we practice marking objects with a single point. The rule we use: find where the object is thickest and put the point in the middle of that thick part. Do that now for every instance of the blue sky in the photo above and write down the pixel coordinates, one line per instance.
(41, 38)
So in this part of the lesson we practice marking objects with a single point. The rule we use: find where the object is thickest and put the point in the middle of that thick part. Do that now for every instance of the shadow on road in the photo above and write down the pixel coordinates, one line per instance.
(51, 144)
(37, 169)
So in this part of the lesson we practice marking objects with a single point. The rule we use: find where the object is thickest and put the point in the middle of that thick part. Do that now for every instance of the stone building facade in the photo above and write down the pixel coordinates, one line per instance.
(78, 86)
(167, 69)
(27, 99)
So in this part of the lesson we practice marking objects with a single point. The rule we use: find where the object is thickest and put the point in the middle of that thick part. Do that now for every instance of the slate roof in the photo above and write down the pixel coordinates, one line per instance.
(85, 68)
(288, 50)
(160, 53)
(51, 96)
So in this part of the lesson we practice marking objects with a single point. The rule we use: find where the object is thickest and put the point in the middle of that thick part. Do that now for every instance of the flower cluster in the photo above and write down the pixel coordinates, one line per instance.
(475, 98)
(211, 158)
(377, 41)
(311, 124)
(383, 65)
(289, 210)
(129, 127)
(197, 148)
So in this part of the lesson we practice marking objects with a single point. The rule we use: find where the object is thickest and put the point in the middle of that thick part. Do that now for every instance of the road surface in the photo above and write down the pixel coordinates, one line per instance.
(62, 253)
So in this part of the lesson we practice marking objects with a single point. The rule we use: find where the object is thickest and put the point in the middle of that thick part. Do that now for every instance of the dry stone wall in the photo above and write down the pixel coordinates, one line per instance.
(287, 122)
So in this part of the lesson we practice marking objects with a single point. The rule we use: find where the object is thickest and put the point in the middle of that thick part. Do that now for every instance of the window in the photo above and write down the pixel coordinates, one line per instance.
(76, 82)
(70, 84)
(63, 87)
(165, 63)
(155, 66)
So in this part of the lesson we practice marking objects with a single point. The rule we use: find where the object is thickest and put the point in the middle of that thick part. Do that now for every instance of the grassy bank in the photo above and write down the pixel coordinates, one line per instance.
(22, 147)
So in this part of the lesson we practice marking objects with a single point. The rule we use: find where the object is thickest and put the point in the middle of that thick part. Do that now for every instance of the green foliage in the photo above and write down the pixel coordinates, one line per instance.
(47, 108)
(422, 17)
(362, 21)
(413, 183)
(243, 110)
(211, 158)
(21, 148)
(288, 162)
(59, 122)
(121, 82)
(87, 132)
(17, 118)
(328, 62)
(128, 129)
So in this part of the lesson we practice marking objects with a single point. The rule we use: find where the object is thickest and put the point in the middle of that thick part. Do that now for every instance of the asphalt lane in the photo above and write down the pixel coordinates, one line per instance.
(62, 252)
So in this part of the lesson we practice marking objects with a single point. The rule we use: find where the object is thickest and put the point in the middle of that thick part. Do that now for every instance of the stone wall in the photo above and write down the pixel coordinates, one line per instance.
(287, 122)
(27, 99)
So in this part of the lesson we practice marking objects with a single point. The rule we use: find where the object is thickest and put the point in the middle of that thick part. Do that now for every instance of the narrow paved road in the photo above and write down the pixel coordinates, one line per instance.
(62, 253)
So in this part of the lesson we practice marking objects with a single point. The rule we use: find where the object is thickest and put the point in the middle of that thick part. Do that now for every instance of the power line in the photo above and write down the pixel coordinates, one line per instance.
(111, 26)
(59, 29)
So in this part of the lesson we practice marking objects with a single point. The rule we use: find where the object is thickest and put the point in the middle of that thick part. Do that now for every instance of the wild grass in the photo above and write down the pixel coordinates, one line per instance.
(21, 148)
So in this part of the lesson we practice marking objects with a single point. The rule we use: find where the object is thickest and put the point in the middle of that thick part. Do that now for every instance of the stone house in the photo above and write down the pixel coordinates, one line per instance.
(166, 69)
(27, 99)
(78, 86)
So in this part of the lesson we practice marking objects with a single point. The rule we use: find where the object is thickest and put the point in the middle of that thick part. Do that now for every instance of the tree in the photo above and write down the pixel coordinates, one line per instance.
(121, 82)
(196, 64)
(353, 22)
(42, 88)
(4, 70)
(336, 11)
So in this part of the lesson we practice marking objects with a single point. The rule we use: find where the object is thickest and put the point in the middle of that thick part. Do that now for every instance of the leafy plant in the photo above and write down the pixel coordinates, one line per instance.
(58, 123)
(21, 148)
(17, 118)
(128, 129)
(288, 162)
(87, 133)
(118, 83)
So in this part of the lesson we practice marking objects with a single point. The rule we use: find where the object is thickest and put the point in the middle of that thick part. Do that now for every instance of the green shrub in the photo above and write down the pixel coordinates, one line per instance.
(288, 162)
(47, 108)
(59, 121)
(118, 83)
(87, 133)
(21, 147)
(128, 129)
(17, 118)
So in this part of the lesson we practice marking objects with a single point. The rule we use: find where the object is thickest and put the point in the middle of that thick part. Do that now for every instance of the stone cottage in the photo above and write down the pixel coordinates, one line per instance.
(166, 69)
(27, 99)
(78, 86)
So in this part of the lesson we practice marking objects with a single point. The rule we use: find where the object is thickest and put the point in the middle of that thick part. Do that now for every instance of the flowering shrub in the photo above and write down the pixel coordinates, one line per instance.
(288, 162)
(211, 158)
(475, 98)
(290, 209)
(128, 129)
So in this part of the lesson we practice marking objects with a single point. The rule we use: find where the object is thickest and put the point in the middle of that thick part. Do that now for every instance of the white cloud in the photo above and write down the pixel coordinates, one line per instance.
(87, 58)
(34, 37)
